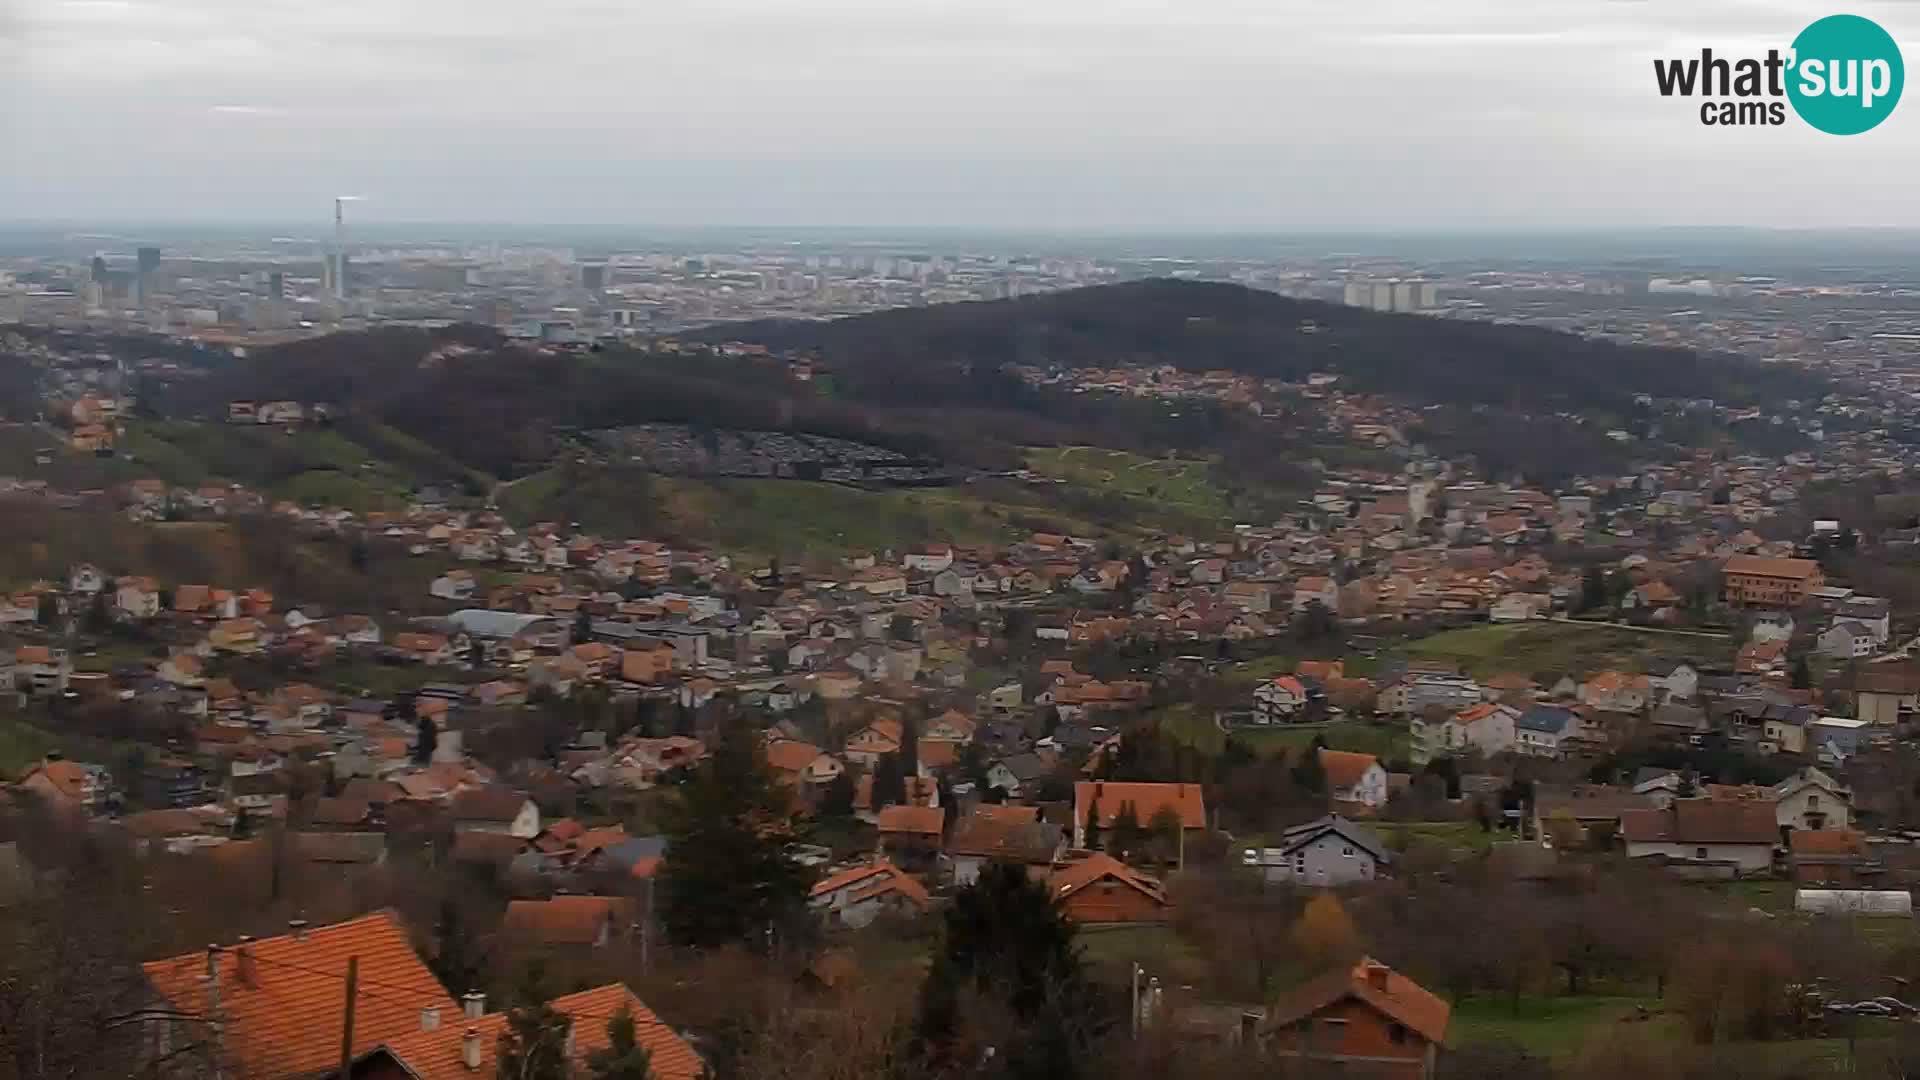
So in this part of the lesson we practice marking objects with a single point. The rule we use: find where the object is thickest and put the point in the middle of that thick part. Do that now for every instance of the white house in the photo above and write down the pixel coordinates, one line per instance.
(1772, 626)
(1848, 640)
(1810, 799)
(1354, 778)
(1487, 727)
(1544, 731)
(856, 897)
(1279, 700)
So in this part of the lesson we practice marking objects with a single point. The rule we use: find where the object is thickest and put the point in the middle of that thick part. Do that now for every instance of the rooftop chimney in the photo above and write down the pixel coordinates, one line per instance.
(299, 929)
(1377, 974)
(475, 1002)
(243, 961)
(213, 961)
(429, 1019)
(470, 1049)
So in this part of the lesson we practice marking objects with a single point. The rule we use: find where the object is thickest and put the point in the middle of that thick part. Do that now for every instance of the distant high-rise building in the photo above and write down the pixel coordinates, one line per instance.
(99, 269)
(277, 284)
(1356, 294)
(1406, 296)
(593, 276)
(1382, 296)
(149, 259)
(1429, 296)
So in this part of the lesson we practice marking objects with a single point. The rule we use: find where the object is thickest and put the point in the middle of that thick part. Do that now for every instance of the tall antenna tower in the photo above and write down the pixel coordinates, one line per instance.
(337, 264)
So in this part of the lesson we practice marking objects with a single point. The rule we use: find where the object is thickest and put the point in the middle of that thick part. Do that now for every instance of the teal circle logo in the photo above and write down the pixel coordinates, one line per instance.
(1846, 74)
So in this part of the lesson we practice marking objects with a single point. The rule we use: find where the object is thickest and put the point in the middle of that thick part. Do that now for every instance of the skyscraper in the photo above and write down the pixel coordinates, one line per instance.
(149, 259)
(277, 284)
(593, 276)
(99, 269)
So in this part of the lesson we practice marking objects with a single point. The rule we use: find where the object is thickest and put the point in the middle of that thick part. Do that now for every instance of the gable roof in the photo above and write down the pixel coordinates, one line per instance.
(435, 1055)
(566, 920)
(1364, 839)
(1071, 878)
(918, 820)
(282, 1004)
(874, 879)
(1402, 1000)
(1345, 768)
(1148, 799)
(1704, 821)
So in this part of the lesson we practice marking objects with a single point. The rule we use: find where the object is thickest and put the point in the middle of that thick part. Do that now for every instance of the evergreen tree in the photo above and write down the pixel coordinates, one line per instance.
(457, 960)
(1125, 838)
(837, 801)
(48, 610)
(1005, 939)
(1593, 589)
(1308, 773)
(425, 737)
(624, 1058)
(726, 877)
(889, 782)
(582, 628)
(99, 618)
(910, 744)
(1802, 675)
(477, 654)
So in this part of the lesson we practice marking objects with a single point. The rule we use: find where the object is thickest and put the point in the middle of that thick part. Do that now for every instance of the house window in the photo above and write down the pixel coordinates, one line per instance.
(1699, 853)
(1397, 1033)
(1813, 802)
(1347, 851)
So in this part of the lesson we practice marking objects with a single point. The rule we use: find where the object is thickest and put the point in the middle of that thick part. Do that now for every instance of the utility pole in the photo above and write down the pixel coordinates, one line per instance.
(346, 1023)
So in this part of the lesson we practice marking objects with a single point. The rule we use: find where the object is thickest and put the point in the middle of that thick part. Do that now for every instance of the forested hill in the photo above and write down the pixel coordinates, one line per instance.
(907, 353)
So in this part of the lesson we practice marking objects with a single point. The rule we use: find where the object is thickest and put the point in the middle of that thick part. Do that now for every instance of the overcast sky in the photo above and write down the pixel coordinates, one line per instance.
(1017, 113)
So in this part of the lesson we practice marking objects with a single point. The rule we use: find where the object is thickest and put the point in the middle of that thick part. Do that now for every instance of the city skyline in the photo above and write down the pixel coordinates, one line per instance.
(1219, 116)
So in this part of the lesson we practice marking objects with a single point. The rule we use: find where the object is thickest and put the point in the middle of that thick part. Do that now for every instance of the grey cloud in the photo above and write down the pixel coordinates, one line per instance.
(1227, 113)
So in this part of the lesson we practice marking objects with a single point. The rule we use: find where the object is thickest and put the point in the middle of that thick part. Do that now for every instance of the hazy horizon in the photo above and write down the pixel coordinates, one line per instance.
(1063, 116)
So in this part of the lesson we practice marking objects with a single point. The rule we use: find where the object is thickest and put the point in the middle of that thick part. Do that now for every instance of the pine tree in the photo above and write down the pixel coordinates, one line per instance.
(726, 877)
(425, 737)
(889, 782)
(838, 799)
(910, 745)
(582, 628)
(457, 960)
(624, 1058)
(1125, 836)
(1006, 939)
(1802, 676)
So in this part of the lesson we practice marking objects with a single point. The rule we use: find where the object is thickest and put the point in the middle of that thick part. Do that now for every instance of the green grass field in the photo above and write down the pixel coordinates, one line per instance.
(1554, 1027)
(1539, 648)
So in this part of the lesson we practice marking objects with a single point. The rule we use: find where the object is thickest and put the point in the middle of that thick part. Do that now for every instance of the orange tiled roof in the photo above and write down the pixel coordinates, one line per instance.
(282, 1002)
(566, 920)
(1344, 768)
(1401, 999)
(1186, 800)
(918, 820)
(1071, 878)
(436, 1055)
